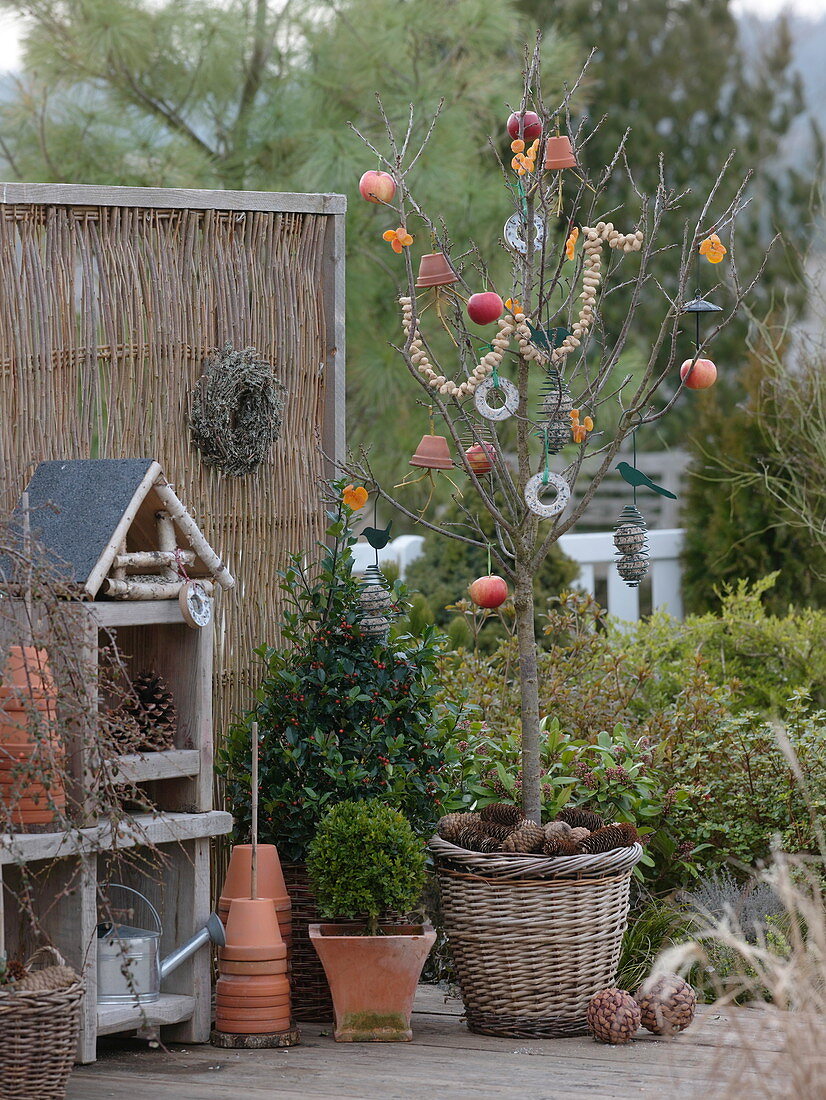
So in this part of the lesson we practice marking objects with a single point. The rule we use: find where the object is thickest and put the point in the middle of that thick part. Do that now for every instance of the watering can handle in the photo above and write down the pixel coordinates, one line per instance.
(143, 897)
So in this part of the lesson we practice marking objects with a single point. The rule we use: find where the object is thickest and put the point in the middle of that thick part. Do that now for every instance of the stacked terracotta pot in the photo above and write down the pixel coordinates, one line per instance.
(270, 885)
(31, 780)
(253, 990)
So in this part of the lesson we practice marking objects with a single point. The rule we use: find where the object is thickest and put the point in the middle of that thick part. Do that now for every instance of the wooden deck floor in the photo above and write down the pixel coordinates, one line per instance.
(723, 1054)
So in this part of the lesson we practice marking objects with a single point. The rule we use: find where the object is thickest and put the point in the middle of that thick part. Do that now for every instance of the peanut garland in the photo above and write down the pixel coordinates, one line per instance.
(517, 324)
(489, 362)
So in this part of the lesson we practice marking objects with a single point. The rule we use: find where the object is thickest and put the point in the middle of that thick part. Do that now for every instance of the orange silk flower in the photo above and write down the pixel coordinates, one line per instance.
(713, 249)
(399, 239)
(570, 244)
(355, 497)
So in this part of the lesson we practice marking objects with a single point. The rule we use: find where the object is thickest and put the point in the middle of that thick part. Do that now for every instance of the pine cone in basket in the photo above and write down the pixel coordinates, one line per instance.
(11, 970)
(526, 837)
(576, 836)
(578, 817)
(50, 978)
(474, 840)
(557, 845)
(667, 1004)
(609, 838)
(557, 828)
(451, 825)
(501, 813)
(497, 832)
(613, 1016)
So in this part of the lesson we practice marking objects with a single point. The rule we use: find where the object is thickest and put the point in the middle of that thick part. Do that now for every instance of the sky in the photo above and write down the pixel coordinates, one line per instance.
(10, 24)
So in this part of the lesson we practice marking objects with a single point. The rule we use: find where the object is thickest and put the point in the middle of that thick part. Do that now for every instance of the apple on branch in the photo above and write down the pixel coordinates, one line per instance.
(699, 374)
(375, 186)
(490, 591)
(485, 308)
(531, 127)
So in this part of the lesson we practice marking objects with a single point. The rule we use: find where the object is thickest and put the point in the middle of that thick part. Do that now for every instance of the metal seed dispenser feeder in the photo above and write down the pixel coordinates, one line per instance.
(130, 969)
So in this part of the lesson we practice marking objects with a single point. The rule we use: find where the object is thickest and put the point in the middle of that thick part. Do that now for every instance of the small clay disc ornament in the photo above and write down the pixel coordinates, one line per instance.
(195, 605)
(509, 392)
(537, 485)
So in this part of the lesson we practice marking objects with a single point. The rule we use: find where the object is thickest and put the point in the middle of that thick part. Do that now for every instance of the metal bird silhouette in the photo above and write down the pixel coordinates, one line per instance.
(377, 538)
(640, 480)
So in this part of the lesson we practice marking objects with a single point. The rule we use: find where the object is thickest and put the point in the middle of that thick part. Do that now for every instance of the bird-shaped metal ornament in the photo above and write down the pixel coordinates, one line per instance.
(377, 537)
(638, 480)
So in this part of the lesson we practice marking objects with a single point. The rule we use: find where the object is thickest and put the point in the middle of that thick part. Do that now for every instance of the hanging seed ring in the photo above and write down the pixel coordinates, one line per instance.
(534, 489)
(237, 409)
(486, 365)
(508, 391)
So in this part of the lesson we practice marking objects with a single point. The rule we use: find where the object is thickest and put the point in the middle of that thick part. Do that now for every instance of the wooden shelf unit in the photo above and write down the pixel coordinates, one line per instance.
(152, 634)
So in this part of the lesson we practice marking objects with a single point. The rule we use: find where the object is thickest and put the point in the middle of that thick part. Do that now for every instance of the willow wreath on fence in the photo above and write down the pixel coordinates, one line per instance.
(237, 409)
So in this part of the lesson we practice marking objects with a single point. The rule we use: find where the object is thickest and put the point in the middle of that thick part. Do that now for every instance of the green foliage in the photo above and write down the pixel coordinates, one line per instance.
(651, 929)
(341, 716)
(706, 699)
(737, 530)
(365, 861)
(446, 567)
(616, 776)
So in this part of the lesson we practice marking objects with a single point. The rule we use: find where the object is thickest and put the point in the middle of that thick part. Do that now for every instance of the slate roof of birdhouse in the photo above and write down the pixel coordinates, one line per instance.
(77, 506)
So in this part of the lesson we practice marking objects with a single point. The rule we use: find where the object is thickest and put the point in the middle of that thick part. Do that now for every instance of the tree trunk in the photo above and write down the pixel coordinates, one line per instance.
(529, 692)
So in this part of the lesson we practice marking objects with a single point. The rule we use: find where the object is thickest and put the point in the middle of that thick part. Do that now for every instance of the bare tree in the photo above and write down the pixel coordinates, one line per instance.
(550, 330)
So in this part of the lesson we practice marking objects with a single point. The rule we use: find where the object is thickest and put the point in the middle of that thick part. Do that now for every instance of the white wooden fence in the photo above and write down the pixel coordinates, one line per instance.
(594, 553)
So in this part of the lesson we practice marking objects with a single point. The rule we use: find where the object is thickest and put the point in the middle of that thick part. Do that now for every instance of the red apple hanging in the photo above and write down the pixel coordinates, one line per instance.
(531, 129)
(377, 186)
(698, 375)
(480, 457)
(490, 591)
(485, 308)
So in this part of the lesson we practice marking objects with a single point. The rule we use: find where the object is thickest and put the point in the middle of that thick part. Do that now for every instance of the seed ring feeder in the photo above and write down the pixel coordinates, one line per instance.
(536, 486)
(509, 391)
(514, 233)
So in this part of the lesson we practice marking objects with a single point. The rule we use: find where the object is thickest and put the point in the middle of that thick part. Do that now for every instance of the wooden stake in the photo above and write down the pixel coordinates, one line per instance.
(254, 792)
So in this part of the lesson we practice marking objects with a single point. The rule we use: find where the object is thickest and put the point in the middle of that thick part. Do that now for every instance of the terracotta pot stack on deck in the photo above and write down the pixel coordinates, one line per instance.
(31, 781)
(253, 990)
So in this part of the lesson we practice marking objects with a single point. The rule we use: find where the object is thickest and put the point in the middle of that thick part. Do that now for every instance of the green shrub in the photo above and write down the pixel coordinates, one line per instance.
(340, 715)
(365, 861)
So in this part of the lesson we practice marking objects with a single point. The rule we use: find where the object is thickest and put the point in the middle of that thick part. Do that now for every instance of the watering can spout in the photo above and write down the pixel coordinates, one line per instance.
(213, 931)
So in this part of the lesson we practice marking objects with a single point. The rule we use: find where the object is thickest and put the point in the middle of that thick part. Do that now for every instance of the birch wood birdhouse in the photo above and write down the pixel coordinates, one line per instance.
(118, 529)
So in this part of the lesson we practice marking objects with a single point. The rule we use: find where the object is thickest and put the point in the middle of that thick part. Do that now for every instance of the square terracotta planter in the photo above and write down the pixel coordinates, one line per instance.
(373, 979)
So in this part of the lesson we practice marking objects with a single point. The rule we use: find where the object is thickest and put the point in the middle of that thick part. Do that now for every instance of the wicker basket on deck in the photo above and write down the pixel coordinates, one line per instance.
(311, 998)
(38, 1034)
(533, 938)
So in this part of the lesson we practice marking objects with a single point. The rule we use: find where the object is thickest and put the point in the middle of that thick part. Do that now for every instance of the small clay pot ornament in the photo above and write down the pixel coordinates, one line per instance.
(490, 591)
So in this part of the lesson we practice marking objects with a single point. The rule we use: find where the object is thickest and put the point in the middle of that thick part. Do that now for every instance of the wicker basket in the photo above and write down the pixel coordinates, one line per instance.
(38, 1035)
(533, 938)
(310, 991)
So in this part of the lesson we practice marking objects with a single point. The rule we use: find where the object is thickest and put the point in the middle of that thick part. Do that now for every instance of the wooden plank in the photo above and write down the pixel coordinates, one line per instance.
(144, 767)
(187, 887)
(72, 194)
(334, 429)
(141, 829)
(170, 1008)
(139, 613)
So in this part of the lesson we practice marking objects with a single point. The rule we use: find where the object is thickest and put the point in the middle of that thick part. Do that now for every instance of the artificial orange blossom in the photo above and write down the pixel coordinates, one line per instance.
(570, 244)
(399, 238)
(355, 497)
(713, 249)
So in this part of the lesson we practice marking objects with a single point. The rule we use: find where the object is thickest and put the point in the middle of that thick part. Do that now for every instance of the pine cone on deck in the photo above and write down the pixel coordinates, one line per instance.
(526, 837)
(578, 817)
(613, 1016)
(609, 838)
(501, 813)
(666, 1005)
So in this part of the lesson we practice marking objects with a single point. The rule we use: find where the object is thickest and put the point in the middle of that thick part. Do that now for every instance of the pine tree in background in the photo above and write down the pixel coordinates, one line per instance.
(734, 528)
(678, 75)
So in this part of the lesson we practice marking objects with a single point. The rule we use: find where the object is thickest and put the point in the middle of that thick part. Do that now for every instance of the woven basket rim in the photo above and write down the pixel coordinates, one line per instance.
(516, 865)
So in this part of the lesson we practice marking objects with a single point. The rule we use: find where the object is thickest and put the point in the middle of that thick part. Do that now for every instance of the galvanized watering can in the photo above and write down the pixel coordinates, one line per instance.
(130, 969)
